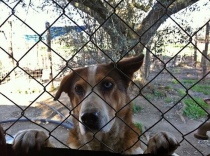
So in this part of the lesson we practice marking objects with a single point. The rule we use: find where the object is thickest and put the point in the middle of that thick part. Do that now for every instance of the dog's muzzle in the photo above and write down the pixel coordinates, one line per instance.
(91, 120)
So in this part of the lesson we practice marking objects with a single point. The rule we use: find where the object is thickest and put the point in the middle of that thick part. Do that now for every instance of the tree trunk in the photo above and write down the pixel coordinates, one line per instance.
(117, 28)
(47, 24)
(147, 64)
(10, 50)
(205, 52)
(125, 37)
(195, 49)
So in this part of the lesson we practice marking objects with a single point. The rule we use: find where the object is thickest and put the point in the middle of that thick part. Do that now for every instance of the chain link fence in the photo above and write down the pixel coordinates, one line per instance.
(170, 93)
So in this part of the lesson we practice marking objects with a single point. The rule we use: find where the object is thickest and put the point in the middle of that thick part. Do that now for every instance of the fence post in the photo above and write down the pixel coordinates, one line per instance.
(49, 54)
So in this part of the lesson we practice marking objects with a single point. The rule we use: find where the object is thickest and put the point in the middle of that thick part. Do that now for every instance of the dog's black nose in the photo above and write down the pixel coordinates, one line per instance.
(91, 120)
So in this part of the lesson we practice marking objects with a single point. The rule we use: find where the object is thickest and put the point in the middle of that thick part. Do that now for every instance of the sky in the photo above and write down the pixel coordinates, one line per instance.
(36, 18)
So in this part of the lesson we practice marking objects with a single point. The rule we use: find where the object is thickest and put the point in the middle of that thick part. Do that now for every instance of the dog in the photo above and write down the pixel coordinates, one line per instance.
(102, 113)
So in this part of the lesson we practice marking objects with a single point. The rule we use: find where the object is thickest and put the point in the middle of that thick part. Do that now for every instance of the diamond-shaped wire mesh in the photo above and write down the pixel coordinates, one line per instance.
(41, 42)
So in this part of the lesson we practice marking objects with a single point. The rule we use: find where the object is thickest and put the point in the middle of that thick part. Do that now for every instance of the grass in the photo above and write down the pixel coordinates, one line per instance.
(202, 88)
(192, 81)
(149, 96)
(156, 94)
(193, 110)
(159, 93)
(168, 87)
(168, 100)
(189, 81)
(174, 81)
(181, 92)
(139, 126)
(184, 82)
(205, 89)
(136, 108)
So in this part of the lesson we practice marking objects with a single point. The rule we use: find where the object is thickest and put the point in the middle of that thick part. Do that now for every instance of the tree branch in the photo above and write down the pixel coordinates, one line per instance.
(116, 27)
(110, 23)
(157, 16)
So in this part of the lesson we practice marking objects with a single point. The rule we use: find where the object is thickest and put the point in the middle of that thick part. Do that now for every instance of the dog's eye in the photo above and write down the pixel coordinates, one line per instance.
(107, 85)
(79, 89)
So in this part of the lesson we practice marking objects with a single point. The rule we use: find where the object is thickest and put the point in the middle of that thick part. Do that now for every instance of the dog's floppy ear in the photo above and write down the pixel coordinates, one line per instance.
(130, 65)
(64, 86)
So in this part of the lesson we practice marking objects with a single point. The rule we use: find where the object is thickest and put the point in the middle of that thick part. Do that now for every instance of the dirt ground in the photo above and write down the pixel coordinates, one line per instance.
(31, 106)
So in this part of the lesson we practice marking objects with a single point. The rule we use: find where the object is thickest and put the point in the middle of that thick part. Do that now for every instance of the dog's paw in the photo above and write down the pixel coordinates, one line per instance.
(163, 143)
(30, 139)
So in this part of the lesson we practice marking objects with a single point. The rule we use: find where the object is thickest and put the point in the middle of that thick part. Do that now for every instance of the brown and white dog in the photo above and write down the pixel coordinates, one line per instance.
(101, 112)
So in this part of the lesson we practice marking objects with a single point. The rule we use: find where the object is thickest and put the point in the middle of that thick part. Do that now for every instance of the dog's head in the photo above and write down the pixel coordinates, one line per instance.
(99, 93)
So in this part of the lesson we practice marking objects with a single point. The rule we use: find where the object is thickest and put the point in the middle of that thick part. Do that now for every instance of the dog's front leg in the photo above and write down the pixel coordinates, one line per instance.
(163, 143)
(30, 139)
